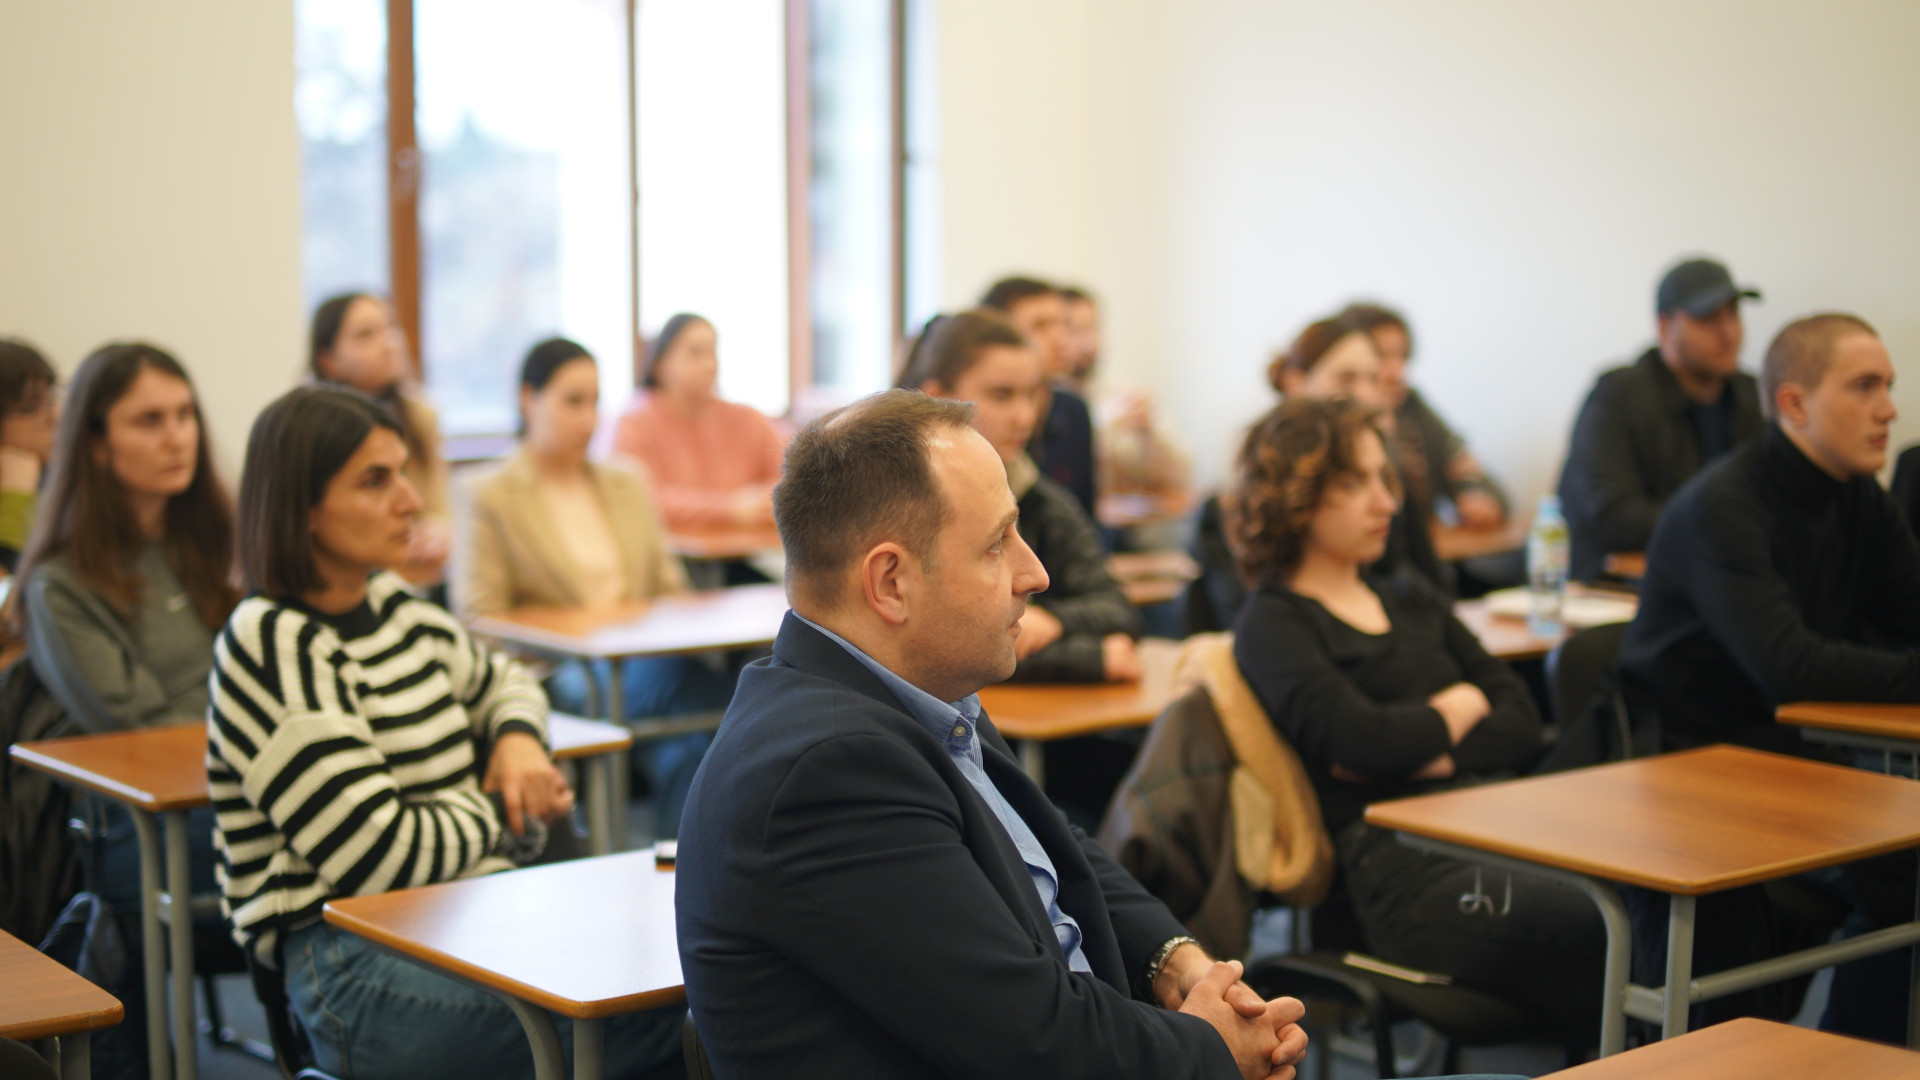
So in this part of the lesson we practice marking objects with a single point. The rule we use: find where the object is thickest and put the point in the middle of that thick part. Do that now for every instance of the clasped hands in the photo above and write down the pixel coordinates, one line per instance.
(1265, 1037)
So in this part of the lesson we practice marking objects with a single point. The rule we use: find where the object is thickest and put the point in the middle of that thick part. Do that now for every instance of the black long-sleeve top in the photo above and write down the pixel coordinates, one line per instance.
(1768, 582)
(1358, 700)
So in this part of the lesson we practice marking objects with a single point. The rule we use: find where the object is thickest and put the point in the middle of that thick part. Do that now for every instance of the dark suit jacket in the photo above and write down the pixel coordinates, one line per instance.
(849, 906)
(1633, 446)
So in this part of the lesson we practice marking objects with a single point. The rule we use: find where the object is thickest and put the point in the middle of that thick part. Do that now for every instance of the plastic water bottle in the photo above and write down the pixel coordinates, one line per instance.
(1547, 570)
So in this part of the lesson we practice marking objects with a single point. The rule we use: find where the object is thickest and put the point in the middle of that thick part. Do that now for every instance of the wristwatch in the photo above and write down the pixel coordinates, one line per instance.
(1160, 955)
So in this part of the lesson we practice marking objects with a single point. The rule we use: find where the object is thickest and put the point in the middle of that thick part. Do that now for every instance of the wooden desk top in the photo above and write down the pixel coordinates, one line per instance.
(1453, 542)
(1747, 1049)
(1701, 821)
(1504, 637)
(1627, 565)
(40, 998)
(153, 769)
(587, 939)
(1064, 710)
(692, 622)
(724, 541)
(573, 737)
(1857, 718)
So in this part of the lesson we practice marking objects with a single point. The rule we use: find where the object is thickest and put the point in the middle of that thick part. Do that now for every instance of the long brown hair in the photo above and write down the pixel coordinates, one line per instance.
(84, 514)
(328, 320)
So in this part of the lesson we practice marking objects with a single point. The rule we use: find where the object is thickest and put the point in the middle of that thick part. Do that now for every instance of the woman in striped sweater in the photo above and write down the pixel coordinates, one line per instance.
(359, 741)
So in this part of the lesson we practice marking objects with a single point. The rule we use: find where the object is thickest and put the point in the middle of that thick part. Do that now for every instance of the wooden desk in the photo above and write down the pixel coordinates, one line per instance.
(708, 549)
(1034, 714)
(600, 749)
(1627, 565)
(1454, 542)
(1890, 729)
(41, 1001)
(159, 775)
(586, 939)
(1504, 637)
(1748, 1049)
(1684, 824)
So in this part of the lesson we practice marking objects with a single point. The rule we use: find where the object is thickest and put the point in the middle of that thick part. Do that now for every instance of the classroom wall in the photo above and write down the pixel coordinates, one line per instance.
(1514, 175)
(150, 187)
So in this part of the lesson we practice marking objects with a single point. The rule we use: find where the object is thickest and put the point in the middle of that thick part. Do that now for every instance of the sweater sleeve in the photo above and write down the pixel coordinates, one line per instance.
(85, 661)
(288, 726)
(498, 692)
(1510, 737)
(1751, 611)
(1318, 708)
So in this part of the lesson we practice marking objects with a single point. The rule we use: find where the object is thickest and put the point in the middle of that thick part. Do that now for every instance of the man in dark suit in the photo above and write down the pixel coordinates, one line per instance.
(1648, 427)
(1063, 441)
(868, 884)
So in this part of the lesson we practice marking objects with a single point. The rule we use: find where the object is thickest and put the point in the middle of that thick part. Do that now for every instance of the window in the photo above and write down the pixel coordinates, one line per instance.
(507, 170)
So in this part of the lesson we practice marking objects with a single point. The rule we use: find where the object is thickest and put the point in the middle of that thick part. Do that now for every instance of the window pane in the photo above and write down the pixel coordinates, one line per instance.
(524, 218)
(923, 165)
(851, 198)
(713, 197)
(340, 98)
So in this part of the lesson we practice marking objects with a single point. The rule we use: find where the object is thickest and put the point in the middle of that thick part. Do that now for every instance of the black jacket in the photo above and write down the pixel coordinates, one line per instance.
(848, 905)
(1769, 582)
(1063, 447)
(1633, 445)
(1081, 593)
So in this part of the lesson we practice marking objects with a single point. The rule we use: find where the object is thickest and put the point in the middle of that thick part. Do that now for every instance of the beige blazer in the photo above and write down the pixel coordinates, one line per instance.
(508, 552)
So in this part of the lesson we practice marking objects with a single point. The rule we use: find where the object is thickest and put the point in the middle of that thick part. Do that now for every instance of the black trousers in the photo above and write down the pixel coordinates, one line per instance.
(1538, 944)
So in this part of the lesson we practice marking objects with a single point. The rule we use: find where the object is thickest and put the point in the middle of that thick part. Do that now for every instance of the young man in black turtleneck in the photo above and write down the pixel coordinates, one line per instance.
(1784, 573)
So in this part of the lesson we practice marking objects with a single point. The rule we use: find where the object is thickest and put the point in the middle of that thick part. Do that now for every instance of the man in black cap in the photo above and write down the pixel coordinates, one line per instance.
(1648, 427)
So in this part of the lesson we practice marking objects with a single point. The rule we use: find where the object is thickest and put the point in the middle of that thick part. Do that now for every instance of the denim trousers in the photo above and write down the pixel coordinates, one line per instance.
(664, 686)
(373, 1016)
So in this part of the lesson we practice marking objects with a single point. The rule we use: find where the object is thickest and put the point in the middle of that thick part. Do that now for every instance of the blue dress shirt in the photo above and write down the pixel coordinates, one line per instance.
(956, 725)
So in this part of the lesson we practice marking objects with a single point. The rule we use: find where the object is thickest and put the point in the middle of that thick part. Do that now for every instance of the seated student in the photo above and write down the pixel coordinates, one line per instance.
(712, 462)
(1784, 573)
(356, 341)
(29, 410)
(1330, 359)
(1063, 441)
(1135, 453)
(126, 579)
(359, 741)
(550, 528)
(1082, 627)
(1647, 428)
(868, 883)
(1435, 465)
(1385, 694)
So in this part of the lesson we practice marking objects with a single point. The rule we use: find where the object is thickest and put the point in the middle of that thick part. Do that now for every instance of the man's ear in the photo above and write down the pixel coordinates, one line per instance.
(1790, 404)
(889, 576)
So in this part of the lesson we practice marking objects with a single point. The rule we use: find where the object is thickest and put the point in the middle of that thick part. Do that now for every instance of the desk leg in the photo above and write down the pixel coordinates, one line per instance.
(1913, 994)
(619, 767)
(76, 1057)
(1033, 758)
(549, 1063)
(153, 949)
(1678, 993)
(186, 1047)
(589, 1058)
(597, 773)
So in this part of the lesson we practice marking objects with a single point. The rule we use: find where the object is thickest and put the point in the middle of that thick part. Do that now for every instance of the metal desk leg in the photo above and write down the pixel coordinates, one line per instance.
(597, 774)
(76, 1057)
(1678, 993)
(589, 1058)
(180, 931)
(617, 793)
(548, 1061)
(1033, 758)
(153, 949)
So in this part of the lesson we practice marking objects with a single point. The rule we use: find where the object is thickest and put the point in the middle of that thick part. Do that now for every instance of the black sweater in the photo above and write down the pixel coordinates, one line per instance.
(1769, 582)
(1357, 700)
(1080, 592)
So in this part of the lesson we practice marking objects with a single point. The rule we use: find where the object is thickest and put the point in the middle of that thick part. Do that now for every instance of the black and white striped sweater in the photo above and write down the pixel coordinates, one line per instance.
(341, 754)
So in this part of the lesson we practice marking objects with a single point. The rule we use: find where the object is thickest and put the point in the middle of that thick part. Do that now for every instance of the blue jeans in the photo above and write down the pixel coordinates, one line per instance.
(372, 1016)
(664, 686)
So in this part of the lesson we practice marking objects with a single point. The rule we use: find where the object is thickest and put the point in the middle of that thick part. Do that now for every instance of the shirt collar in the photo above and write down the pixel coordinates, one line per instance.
(954, 723)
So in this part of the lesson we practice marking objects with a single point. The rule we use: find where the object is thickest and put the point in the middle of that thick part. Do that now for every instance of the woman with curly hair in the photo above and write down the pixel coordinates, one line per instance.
(1384, 693)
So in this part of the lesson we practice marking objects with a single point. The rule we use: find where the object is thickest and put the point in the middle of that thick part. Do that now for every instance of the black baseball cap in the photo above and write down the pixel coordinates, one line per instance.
(1699, 287)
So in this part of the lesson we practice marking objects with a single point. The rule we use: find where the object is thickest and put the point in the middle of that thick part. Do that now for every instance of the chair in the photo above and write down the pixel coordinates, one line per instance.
(1195, 882)
(698, 1068)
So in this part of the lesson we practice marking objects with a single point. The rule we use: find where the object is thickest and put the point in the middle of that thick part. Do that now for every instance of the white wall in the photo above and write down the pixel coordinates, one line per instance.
(1514, 175)
(150, 188)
